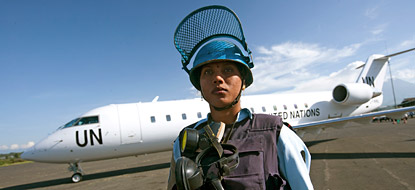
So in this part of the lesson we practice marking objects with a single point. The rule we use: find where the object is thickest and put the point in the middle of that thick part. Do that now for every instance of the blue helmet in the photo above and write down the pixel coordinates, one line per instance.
(221, 50)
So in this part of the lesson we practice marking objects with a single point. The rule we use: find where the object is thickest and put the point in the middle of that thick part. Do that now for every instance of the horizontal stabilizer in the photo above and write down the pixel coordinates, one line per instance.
(388, 56)
(391, 55)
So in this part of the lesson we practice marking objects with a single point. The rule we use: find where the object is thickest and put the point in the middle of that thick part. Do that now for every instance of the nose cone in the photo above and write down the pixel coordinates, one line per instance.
(39, 152)
(48, 150)
(28, 154)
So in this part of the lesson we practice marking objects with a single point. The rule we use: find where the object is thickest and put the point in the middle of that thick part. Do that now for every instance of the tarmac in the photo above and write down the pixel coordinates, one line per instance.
(375, 156)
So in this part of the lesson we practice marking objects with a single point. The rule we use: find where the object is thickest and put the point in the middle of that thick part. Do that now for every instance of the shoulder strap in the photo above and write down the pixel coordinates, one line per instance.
(262, 122)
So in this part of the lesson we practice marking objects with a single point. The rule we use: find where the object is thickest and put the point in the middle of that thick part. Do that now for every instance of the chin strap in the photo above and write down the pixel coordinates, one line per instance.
(234, 101)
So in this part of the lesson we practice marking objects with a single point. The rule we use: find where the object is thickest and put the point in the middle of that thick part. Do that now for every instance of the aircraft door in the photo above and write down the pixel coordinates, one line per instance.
(129, 120)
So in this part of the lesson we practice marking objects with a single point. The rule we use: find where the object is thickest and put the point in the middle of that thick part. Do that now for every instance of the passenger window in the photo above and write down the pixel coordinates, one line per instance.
(285, 107)
(153, 119)
(275, 108)
(199, 115)
(263, 109)
(184, 116)
(168, 118)
(295, 106)
(252, 110)
(305, 105)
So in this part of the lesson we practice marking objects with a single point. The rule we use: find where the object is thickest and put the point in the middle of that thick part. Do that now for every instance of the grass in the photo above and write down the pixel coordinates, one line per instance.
(14, 162)
(11, 159)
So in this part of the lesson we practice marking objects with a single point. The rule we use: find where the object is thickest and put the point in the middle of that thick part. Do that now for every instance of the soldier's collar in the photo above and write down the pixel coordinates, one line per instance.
(243, 114)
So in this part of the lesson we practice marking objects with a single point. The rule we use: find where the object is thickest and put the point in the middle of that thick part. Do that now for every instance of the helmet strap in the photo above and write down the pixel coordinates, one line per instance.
(234, 102)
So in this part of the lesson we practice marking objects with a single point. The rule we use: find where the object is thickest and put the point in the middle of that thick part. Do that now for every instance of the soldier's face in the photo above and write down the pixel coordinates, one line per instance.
(220, 83)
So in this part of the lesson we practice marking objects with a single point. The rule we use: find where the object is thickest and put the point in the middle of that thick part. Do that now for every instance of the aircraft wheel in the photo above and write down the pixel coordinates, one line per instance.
(77, 177)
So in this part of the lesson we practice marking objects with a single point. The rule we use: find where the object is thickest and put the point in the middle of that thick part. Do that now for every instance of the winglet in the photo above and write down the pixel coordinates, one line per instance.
(155, 99)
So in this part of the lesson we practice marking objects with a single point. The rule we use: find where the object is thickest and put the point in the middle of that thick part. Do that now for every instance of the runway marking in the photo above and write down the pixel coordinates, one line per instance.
(326, 168)
(394, 176)
(385, 169)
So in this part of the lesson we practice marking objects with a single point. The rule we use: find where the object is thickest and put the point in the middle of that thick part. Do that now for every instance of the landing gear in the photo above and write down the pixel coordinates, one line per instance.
(77, 177)
(76, 168)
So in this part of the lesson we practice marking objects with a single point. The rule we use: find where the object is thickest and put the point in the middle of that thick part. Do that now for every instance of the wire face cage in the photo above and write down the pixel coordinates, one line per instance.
(203, 25)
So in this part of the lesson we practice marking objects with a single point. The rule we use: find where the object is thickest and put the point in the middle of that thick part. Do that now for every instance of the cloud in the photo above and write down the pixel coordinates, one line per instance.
(14, 146)
(408, 43)
(17, 147)
(4, 147)
(379, 29)
(326, 83)
(372, 12)
(28, 145)
(284, 67)
(403, 66)
(406, 75)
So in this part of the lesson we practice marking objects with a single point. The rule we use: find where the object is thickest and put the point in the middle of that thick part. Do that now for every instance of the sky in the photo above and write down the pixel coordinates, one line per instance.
(60, 59)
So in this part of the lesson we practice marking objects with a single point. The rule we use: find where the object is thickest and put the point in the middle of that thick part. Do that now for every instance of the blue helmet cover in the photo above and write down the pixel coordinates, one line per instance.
(220, 50)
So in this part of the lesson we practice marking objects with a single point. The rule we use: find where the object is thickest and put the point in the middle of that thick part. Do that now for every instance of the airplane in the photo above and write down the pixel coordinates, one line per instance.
(120, 130)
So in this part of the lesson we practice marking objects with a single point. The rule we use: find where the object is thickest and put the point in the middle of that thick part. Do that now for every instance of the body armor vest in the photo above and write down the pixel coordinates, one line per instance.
(256, 140)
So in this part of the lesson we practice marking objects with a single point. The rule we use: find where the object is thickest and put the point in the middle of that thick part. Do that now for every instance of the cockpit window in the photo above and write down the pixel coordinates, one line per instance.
(82, 121)
(70, 124)
(87, 120)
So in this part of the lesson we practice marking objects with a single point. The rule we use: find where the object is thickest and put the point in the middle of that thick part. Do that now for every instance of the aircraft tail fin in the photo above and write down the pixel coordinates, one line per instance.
(374, 70)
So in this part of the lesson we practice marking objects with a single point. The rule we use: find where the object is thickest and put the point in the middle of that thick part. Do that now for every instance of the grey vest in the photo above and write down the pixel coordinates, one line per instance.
(256, 140)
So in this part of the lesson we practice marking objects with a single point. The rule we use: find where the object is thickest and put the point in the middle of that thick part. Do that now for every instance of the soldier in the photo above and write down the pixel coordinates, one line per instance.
(271, 155)
(268, 155)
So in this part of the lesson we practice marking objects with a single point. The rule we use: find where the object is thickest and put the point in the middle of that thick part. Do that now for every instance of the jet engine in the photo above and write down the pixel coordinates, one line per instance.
(352, 93)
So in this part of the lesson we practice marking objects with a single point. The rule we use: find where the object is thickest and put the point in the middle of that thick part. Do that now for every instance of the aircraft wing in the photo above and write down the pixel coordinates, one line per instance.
(317, 126)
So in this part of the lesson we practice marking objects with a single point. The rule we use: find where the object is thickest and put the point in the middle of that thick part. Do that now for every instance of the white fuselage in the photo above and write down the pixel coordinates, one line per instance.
(138, 128)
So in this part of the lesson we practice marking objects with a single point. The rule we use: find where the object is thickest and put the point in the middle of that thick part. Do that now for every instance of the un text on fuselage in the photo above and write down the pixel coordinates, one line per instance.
(92, 135)
(296, 114)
